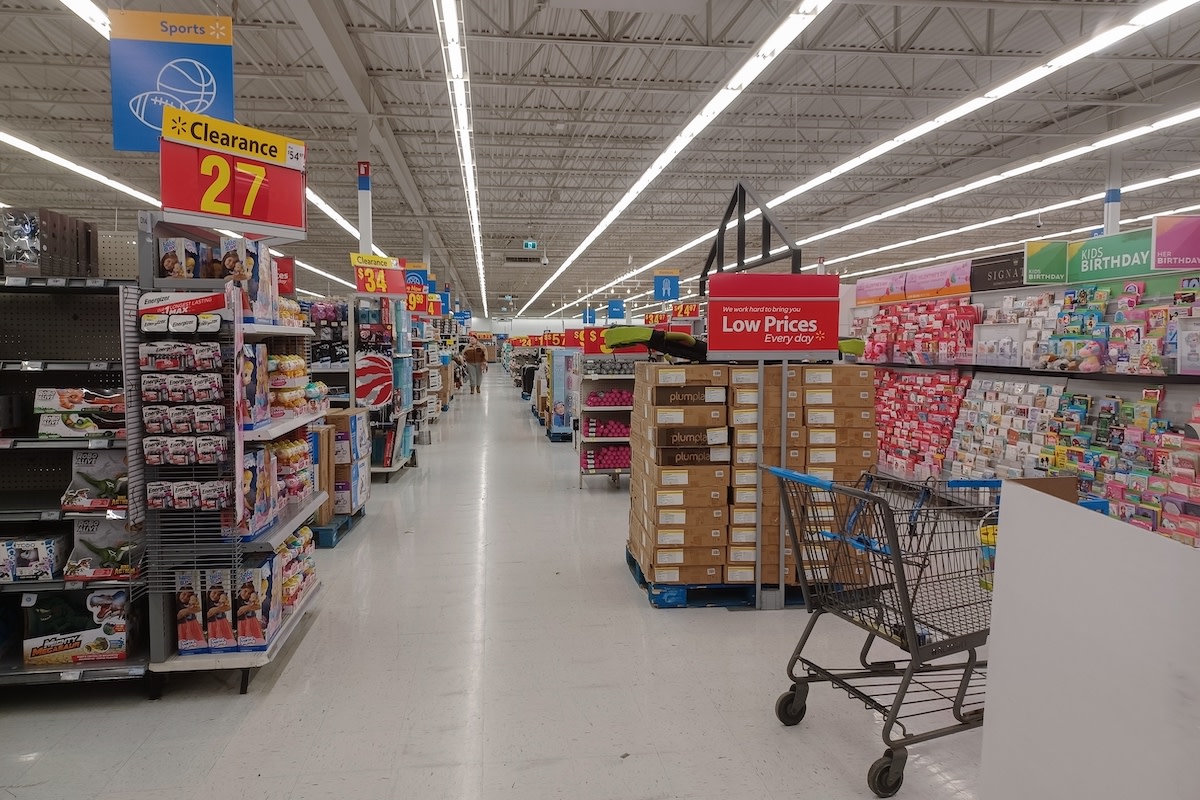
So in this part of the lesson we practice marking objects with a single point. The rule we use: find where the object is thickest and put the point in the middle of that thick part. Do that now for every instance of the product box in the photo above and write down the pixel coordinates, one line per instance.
(84, 424)
(189, 613)
(741, 516)
(218, 610)
(848, 475)
(351, 486)
(772, 436)
(33, 558)
(99, 481)
(744, 573)
(688, 537)
(841, 437)
(352, 434)
(72, 627)
(839, 396)
(687, 498)
(257, 616)
(794, 458)
(690, 477)
(253, 387)
(711, 416)
(683, 437)
(699, 517)
(104, 550)
(657, 374)
(61, 401)
(681, 395)
(687, 575)
(857, 417)
(741, 377)
(691, 456)
(749, 495)
(688, 556)
(842, 456)
(323, 467)
(178, 258)
(839, 375)
(259, 492)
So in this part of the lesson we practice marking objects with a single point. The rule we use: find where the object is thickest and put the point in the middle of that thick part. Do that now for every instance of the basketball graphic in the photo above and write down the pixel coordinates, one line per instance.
(182, 83)
(373, 379)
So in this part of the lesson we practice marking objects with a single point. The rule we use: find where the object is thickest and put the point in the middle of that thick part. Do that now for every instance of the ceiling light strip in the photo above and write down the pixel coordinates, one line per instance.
(774, 45)
(90, 13)
(452, 30)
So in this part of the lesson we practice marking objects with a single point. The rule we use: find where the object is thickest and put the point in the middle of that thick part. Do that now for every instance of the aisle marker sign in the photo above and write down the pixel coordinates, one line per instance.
(666, 286)
(773, 316)
(616, 309)
(223, 175)
(377, 274)
(1176, 242)
(161, 61)
(589, 316)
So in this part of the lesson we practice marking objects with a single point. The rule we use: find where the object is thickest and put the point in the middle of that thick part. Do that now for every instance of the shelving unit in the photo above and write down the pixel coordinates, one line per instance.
(383, 378)
(65, 333)
(596, 373)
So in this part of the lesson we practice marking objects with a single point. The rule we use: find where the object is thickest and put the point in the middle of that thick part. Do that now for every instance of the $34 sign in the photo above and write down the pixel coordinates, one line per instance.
(378, 280)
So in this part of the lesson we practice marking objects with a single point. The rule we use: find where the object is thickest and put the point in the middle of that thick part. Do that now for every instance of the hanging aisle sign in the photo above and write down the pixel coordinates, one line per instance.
(616, 309)
(220, 174)
(1045, 262)
(998, 272)
(881, 289)
(666, 286)
(589, 316)
(1176, 243)
(160, 61)
(1104, 258)
(944, 280)
(762, 317)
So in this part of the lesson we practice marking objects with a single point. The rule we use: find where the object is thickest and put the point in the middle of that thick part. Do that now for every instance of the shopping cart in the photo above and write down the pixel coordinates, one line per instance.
(901, 560)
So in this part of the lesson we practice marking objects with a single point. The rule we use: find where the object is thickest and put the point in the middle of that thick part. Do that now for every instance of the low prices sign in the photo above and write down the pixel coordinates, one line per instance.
(761, 317)
(377, 274)
(224, 175)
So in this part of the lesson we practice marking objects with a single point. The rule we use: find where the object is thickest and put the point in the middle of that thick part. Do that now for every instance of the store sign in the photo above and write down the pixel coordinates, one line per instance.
(685, 310)
(554, 340)
(773, 316)
(377, 274)
(616, 309)
(1176, 242)
(1045, 262)
(433, 305)
(998, 272)
(462, 317)
(881, 289)
(223, 175)
(666, 286)
(575, 338)
(285, 270)
(589, 316)
(518, 341)
(593, 342)
(416, 285)
(163, 61)
(944, 280)
(1122, 255)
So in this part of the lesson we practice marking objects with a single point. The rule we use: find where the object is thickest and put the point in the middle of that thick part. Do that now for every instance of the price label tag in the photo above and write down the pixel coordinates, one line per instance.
(28, 599)
(16, 280)
(68, 585)
(56, 283)
(379, 280)
(98, 366)
(50, 516)
(97, 444)
(32, 366)
(94, 283)
(70, 674)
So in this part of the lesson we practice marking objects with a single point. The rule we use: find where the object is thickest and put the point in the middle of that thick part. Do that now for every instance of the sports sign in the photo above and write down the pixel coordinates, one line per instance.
(772, 316)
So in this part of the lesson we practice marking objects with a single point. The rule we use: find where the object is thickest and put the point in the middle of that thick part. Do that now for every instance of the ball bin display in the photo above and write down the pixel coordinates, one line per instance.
(609, 398)
(603, 366)
(593, 428)
(607, 457)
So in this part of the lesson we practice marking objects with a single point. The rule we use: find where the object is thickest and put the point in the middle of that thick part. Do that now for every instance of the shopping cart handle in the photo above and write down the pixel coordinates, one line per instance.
(800, 477)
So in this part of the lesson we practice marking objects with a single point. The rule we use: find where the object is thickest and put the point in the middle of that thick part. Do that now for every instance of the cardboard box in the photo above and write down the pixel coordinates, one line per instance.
(689, 575)
(684, 416)
(688, 556)
(687, 498)
(772, 436)
(844, 475)
(693, 477)
(858, 417)
(73, 627)
(747, 516)
(742, 535)
(700, 517)
(352, 434)
(795, 458)
(656, 374)
(860, 457)
(681, 395)
(323, 468)
(688, 537)
(772, 376)
(842, 437)
(351, 486)
(839, 396)
(704, 436)
(849, 566)
(749, 495)
(839, 375)
(746, 476)
(744, 573)
(691, 456)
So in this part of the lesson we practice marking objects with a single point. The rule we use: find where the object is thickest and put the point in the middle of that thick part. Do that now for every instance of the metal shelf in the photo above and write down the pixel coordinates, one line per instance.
(85, 443)
(604, 472)
(394, 468)
(1079, 376)
(273, 431)
(44, 506)
(330, 370)
(33, 587)
(33, 365)
(18, 673)
(594, 439)
(30, 284)
(596, 376)
(216, 661)
(607, 408)
(253, 331)
(274, 536)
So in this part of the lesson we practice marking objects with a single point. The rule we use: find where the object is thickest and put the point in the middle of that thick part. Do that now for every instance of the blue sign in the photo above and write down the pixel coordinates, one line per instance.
(531, 244)
(589, 316)
(432, 288)
(445, 302)
(616, 309)
(159, 60)
(417, 277)
(462, 316)
(666, 287)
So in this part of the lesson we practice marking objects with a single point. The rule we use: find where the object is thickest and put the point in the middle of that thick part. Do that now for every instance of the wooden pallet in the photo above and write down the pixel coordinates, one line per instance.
(329, 535)
(687, 595)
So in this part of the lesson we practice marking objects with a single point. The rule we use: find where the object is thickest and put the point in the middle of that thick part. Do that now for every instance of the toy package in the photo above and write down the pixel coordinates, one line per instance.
(57, 401)
(87, 424)
(253, 396)
(254, 270)
(188, 613)
(76, 626)
(32, 558)
(177, 258)
(259, 482)
(218, 611)
(99, 482)
(257, 608)
(105, 550)
(22, 246)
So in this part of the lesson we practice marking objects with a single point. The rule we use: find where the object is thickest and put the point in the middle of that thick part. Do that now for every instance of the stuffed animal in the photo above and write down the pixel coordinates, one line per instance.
(1089, 357)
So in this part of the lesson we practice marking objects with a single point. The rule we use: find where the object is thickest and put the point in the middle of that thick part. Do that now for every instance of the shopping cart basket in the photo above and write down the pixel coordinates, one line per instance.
(901, 560)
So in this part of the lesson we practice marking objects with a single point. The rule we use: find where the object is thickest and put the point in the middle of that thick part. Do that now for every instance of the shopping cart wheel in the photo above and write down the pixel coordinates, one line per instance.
(881, 780)
(792, 705)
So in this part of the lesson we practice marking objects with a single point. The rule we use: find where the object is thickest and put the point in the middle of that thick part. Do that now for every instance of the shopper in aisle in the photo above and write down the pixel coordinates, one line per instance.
(476, 358)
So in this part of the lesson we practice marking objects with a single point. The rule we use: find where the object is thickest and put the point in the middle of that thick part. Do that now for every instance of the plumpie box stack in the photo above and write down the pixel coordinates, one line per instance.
(696, 486)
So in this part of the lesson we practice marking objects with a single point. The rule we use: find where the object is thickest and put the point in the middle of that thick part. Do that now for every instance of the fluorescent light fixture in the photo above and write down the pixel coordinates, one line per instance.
(90, 13)
(308, 293)
(78, 169)
(341, 221)
(775, 43)
(1155, 13)
(452, 31)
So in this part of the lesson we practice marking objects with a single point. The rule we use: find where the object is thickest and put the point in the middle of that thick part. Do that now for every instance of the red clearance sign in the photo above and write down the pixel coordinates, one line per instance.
(224, 175)
(554, 340)
(686, 310)
(773, 316)
(660, 318)
(575, 337)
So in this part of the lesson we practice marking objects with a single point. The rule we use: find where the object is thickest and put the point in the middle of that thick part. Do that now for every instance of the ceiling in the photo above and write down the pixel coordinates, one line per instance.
(570, 106)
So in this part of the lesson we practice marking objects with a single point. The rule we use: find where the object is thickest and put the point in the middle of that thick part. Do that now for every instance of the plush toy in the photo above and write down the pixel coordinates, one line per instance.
(1089, 357)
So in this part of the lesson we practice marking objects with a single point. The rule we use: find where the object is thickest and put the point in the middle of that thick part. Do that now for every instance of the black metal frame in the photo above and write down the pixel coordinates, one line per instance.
(716, 254)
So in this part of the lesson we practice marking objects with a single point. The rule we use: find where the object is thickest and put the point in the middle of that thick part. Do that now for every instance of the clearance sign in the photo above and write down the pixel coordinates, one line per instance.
(786, 317)
(224, 175)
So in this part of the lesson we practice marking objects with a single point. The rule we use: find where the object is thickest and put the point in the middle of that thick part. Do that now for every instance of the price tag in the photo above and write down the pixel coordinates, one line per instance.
(68, 585)
(32, 366)
(94, 283)
(97, 444)
(56, 283)
(51, 516)
(70, 674)
(379, 280)
(98, 366)
(16, 280)
(28, 599)
(5, 444)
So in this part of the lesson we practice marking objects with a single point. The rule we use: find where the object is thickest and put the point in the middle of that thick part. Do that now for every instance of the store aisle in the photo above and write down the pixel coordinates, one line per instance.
(479, 637)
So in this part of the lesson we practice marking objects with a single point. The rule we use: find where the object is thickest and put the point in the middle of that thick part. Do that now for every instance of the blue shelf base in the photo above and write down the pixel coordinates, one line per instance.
(329, 535)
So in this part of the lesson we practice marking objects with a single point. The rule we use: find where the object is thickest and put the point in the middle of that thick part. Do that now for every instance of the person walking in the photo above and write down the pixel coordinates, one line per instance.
(476, 358)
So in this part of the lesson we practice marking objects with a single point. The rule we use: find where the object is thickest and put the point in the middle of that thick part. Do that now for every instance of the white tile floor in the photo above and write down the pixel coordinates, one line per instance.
(479, 636)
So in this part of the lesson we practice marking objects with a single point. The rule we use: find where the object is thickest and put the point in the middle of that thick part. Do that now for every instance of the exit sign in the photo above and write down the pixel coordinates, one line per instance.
(531, 244)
